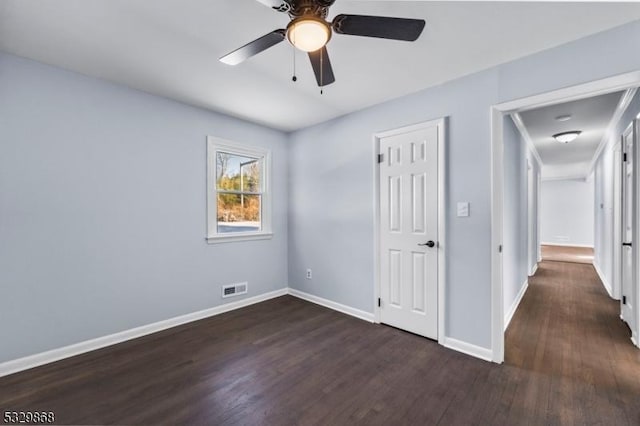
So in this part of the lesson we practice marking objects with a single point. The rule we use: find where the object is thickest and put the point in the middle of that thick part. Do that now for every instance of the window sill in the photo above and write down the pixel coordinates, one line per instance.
(241, 237)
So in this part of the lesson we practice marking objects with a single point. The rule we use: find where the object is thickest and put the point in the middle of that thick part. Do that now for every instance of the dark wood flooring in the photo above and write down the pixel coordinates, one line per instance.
(285, 361)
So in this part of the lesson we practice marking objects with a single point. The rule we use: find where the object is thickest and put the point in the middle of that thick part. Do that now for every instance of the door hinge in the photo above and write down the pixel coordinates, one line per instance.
(624, 300)
(379, 302)
(500, 248)
(624, 157)
(380, 158)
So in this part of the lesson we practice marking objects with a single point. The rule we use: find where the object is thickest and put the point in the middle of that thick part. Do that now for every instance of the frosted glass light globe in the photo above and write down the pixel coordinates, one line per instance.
(308, 34)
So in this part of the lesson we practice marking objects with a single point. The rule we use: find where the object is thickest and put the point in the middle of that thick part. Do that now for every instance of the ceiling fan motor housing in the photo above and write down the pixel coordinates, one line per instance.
(317, 8)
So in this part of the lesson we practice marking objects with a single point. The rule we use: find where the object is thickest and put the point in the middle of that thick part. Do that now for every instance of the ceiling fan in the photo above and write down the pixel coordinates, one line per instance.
(309, 31)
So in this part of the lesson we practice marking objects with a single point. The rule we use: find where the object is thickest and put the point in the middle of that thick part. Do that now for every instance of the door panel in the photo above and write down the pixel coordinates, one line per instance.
(418, 187)
(395, 277)
(409, 219)
(419, 263)
(395, 207)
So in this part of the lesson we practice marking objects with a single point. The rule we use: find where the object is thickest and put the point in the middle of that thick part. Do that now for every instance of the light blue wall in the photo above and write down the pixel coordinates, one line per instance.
(516, 215)
(602, 223)
(588, 59)
(603, 214)
(103, 209)
(331, 200)
(603, 194)
(331, 171)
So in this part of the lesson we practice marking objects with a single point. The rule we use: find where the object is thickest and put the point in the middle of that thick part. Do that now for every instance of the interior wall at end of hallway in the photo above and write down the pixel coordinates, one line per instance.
(566, 214)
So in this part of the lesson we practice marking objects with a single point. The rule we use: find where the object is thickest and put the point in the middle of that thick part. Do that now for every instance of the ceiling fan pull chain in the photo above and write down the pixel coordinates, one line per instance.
(294, 78)
(321, 73)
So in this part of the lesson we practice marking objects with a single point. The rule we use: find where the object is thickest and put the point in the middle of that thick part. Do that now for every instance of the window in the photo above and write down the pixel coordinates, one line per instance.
(238, 199)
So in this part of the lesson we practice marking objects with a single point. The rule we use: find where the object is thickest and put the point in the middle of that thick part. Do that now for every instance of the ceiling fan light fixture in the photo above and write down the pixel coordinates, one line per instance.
(566, 137)
(308, 33)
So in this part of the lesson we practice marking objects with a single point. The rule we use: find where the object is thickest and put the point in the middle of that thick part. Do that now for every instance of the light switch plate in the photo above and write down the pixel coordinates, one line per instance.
(463, 209)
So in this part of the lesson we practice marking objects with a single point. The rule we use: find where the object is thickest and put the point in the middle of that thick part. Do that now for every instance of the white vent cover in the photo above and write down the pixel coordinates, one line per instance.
(234, 289)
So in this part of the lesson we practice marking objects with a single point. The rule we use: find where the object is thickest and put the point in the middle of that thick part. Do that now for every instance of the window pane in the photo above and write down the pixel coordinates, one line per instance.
(238, 173)
(239, 213)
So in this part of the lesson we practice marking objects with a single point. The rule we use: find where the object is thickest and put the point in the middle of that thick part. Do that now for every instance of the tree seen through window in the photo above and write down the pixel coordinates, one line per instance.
(239, 189)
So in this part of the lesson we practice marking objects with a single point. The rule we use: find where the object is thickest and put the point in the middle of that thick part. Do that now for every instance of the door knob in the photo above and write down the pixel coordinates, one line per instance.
(428, 244)
(626, 244)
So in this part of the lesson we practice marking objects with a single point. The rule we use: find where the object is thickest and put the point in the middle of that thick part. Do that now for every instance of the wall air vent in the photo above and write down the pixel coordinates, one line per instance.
(234, 289)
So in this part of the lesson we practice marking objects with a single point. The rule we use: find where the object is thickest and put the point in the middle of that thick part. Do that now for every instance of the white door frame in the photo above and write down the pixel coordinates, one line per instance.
(636, 230)
(441, 123)
(581, 91)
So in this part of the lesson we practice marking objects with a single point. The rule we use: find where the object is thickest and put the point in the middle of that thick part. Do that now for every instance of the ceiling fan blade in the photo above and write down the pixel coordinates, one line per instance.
(379, 26)
(322, 67)
(279, 5)
(254, 47)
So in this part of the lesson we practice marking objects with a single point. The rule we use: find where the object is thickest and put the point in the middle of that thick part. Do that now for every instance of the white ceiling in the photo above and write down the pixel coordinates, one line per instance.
(591, 116)
(171, 47)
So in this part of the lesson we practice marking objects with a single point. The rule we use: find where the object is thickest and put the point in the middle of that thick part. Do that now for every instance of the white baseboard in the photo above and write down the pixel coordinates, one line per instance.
(515, 304)
(366, 316)
(567, 245)
(31, 361)
(533, 270)
(468, 348)
(605, 283)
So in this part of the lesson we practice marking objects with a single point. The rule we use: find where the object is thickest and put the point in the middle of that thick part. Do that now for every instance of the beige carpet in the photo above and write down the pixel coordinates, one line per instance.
(567, 254)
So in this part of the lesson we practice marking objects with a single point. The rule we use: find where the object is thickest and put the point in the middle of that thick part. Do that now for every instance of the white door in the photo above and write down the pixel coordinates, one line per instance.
(409, 231)
(627, 299)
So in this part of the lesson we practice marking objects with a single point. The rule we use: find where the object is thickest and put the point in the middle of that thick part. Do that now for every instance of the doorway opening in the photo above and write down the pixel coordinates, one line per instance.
(519, 196)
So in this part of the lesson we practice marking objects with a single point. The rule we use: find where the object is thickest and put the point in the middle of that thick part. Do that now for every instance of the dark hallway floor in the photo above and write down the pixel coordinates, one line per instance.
(286, 361)
(580, 363)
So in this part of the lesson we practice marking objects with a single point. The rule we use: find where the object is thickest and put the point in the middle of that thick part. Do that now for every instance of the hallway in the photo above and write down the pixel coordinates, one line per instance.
(575, 356)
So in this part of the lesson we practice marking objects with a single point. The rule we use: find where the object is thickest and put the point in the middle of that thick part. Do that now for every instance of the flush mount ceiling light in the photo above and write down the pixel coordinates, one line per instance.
(566, 137)
(563, 117)
(308, 34)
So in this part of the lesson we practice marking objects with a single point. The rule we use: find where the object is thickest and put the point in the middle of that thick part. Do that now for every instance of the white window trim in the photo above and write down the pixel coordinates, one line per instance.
(214, 145)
